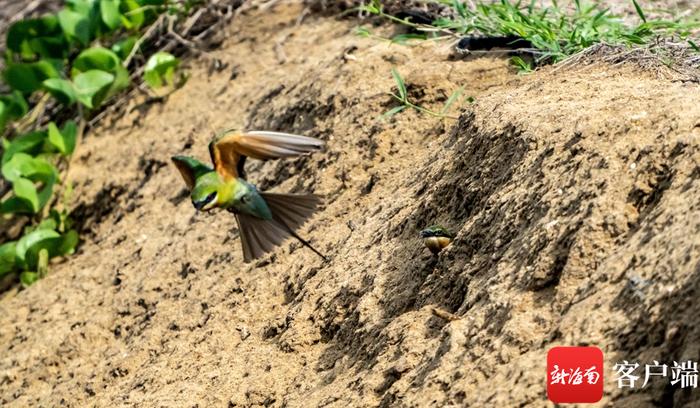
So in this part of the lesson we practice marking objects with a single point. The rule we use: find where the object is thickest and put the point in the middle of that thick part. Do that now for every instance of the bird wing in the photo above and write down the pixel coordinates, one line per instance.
(289, 212)
(190, 169)
(229, 149)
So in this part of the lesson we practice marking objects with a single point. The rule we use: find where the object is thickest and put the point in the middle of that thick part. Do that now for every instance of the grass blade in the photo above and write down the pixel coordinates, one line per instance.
(694, 46)
(393, 111)
(456, 94)
(399, 83)
(639, 11)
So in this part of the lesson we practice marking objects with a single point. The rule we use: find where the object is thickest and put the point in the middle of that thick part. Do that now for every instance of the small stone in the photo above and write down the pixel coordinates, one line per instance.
(243, 332)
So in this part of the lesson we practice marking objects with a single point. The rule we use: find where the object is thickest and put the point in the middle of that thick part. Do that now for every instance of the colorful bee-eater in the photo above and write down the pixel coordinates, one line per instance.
(265, 220)
(436, 238)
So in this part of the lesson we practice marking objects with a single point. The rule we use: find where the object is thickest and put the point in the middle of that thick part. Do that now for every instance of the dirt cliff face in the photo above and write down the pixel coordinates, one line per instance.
(573, 194)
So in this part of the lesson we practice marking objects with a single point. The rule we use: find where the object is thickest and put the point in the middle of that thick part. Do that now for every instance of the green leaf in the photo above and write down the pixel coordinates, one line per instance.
(12, 106)
(70, 134)
(69, 241)
(35, 240)
(160, 69)
(91, 87)
(98, 58)
(28, 278)
(30, 247)
(25, 189)
(63, 140)
(121, 80)
(7, 257)
(90, 10)
(42, 36)
(16, 205)
(28, 77)
(95, 58)
(48, 223)
(61, 89)
(56, 138)
(399, 83)
(16, 104)
(76, 26)
(109, 10)
(123, 47)
(30, 143)
(23, 171)
(84, 7)
(133, 15)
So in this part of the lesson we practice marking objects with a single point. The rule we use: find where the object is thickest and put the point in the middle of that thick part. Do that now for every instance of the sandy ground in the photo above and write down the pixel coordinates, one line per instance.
(574, 194)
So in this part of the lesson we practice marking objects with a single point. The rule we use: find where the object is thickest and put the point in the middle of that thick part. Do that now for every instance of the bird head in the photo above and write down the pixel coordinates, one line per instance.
(436, 231)
(205, 193)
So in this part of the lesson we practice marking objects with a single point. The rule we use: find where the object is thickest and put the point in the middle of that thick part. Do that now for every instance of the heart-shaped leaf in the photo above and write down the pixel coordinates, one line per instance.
(160, 69)
(27, 77)
(16, 205)
(95, 58)
(91, 87)
(109, 10)
(23, 171)
(90, 9)
(39, 238)
(61, 89)
(98, 58)
(30, 143)
(29, 248)
(42, 36)
(76, 26)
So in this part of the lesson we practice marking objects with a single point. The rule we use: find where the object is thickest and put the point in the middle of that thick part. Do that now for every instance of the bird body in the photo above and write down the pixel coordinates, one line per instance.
(436, 238)
(437, 244)
(265, 219)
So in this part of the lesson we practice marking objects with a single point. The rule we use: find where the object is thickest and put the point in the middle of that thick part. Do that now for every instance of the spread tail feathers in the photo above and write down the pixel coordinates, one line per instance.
(289, 212)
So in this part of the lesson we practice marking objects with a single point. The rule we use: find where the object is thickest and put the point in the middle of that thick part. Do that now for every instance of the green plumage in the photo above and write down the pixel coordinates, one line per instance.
(265, 220)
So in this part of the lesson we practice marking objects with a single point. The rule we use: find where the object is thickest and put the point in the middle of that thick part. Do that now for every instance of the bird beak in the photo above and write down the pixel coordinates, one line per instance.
(198, 205)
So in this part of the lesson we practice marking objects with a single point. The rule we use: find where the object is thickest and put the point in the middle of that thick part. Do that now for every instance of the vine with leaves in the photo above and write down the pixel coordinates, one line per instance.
(60, 70)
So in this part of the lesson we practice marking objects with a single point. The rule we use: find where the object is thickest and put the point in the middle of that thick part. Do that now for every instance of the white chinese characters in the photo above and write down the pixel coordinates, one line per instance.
(685, 373)
(574, 376)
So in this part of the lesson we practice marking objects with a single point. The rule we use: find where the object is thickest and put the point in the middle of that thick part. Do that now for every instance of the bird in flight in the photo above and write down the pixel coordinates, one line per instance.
(264, 219)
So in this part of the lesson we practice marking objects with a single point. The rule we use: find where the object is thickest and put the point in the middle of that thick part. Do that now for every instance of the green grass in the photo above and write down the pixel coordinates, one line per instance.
(405, 103)
(554, 32)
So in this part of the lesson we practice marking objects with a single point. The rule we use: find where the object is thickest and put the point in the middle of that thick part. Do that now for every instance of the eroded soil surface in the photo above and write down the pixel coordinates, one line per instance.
(574, 194)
